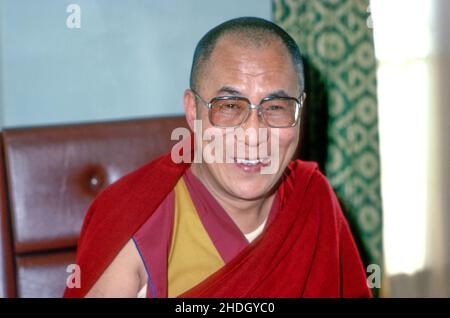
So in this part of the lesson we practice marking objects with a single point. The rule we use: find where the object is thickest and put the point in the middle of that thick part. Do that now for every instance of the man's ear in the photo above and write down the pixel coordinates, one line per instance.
(190, 108)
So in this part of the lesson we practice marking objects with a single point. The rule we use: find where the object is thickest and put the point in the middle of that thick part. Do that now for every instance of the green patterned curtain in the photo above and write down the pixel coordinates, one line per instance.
(341, 125)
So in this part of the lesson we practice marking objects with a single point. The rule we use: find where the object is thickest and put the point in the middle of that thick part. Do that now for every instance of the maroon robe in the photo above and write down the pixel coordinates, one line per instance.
(306, 251)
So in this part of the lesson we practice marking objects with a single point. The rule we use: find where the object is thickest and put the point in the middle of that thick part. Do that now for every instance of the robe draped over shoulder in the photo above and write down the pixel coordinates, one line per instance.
(306, 251)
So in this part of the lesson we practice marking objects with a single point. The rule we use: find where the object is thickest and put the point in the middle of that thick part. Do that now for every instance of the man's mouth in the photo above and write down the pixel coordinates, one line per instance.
(248, 162)
(251, 165)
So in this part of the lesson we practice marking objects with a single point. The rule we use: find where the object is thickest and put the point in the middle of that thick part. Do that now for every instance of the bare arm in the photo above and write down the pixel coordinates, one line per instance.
(123, 277)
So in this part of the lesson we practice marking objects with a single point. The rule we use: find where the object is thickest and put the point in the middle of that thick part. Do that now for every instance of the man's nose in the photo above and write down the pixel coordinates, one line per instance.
(252, 125)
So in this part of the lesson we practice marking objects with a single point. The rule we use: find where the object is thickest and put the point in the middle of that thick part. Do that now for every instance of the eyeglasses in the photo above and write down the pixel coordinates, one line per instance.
(233, 111)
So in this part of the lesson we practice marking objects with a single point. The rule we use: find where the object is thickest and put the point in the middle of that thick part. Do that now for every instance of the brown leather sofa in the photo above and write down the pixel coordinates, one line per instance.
(48, 177)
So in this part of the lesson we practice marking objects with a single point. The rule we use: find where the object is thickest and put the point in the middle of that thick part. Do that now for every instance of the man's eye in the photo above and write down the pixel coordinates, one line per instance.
(230, 107)
(275, 107)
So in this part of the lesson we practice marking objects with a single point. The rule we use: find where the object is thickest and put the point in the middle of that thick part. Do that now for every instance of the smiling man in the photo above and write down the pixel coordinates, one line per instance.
(223, 228)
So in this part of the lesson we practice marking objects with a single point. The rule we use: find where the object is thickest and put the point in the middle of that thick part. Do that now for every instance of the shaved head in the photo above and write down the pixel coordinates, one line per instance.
(246, 32)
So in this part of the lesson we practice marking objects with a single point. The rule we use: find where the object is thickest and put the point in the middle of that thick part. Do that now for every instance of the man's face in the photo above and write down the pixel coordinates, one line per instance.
(254, 73)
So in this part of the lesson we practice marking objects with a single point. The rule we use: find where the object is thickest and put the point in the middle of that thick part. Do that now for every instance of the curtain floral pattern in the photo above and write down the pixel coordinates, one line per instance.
(336, 40)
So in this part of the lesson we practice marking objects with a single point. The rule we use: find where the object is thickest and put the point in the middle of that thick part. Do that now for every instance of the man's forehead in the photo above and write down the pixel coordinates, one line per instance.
(229, 50)
(235, 59)
(249, 41)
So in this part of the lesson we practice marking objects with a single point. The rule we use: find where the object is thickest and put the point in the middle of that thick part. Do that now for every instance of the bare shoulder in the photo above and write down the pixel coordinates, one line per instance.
(124, 277)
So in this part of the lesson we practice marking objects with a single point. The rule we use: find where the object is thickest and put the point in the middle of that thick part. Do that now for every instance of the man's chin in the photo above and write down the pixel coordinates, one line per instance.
(248, 191)
(249, 196)
(241, 183)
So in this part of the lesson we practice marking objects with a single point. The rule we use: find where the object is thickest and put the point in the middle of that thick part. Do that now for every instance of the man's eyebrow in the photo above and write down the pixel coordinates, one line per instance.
(235, 92)
(229, 90)
(278, 93)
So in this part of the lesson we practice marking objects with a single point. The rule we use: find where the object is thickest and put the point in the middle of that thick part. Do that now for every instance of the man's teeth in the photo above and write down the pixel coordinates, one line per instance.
(249, 162)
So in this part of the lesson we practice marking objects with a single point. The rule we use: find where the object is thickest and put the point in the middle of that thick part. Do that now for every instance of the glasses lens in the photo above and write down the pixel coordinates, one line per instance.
(228, 112)
(280, 112)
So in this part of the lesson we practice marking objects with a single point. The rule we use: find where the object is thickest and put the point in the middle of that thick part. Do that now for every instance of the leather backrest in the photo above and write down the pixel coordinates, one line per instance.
(54, 173)
(7, 281)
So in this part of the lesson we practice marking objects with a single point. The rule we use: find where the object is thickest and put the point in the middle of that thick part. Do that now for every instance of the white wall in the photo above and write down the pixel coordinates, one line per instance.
(129, 58)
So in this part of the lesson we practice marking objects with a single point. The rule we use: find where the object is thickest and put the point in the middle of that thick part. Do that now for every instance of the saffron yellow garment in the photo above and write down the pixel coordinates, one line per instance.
(193, 256)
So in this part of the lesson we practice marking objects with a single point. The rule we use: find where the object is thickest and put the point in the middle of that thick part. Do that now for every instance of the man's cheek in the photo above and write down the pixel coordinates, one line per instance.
(275, 150)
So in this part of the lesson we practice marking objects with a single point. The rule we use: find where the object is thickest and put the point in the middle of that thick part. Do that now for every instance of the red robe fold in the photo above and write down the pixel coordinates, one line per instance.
(307, 250)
